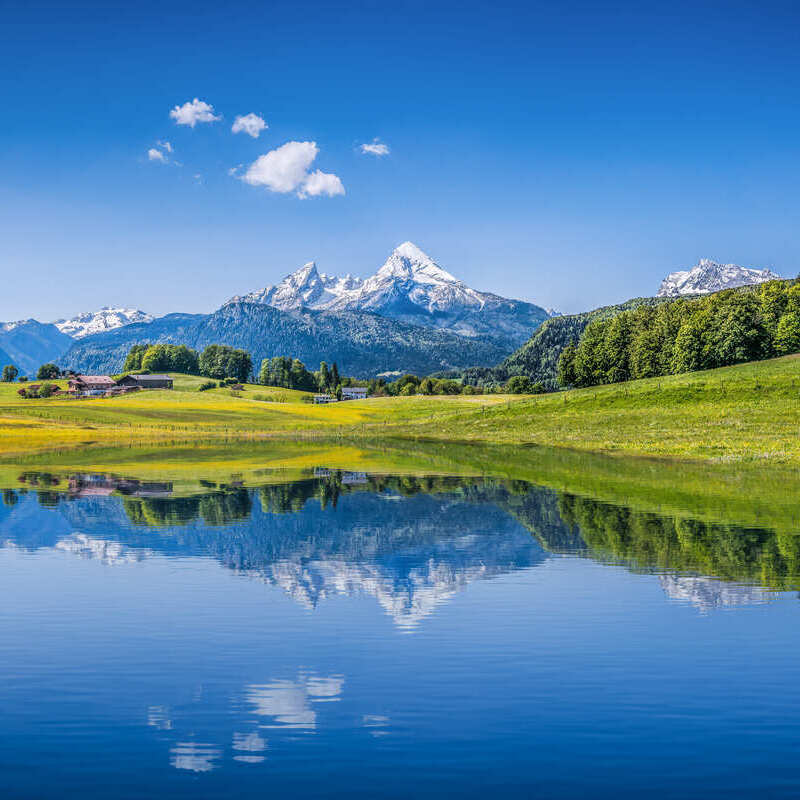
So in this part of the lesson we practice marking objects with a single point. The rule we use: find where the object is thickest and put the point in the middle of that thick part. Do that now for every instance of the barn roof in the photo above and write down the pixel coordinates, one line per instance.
(94, 379)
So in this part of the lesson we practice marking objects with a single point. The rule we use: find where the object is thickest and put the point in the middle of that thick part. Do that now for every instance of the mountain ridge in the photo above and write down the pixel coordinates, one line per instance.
(409, 287)
(709, 276)
(363, 344)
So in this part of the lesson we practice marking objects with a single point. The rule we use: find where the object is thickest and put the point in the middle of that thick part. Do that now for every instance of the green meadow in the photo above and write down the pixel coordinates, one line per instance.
(748, 413)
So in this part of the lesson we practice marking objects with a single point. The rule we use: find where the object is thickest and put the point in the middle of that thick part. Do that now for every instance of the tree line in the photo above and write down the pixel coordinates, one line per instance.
(216, 361)
(685, 335)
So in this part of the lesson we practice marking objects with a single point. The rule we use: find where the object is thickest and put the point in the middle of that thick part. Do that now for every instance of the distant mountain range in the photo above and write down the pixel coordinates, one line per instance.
(106, 319)
(362, 344)
(412, 288)
(708, 276)
(411, 315)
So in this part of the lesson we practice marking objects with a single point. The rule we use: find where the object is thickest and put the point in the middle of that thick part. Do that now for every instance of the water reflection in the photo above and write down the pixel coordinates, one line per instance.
(411, 543)
(194, 756)
(544, 624)
(290, 704)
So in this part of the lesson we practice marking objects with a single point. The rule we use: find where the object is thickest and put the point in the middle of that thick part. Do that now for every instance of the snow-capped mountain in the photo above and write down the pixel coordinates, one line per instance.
(709, 276)
(305, 288)
(106, 319)
(410, 287)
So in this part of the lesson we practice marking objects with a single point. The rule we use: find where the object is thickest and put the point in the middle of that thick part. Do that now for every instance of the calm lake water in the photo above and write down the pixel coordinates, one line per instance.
(350, 635)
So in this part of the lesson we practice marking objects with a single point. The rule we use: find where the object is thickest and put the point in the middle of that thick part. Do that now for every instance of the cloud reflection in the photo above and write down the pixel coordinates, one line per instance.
(289, 703)
(194, 756)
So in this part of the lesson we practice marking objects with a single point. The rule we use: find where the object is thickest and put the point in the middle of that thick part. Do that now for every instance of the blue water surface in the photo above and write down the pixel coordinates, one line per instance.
(455, 639)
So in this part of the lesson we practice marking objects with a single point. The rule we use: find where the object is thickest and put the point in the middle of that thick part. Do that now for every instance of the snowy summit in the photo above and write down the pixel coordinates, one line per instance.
(106, 319)
(411, 287)
(709, 276)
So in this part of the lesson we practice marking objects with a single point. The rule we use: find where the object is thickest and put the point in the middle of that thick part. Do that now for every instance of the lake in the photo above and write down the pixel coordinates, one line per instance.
(343, 633)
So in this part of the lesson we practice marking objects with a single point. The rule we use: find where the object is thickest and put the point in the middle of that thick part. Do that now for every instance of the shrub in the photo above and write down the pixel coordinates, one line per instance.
(48, 389)
(22, 378)
(206, 385)
(519, 384)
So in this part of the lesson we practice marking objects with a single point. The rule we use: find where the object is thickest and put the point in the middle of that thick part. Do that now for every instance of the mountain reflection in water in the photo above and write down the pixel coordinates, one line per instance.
(355, 635)
(410, 542)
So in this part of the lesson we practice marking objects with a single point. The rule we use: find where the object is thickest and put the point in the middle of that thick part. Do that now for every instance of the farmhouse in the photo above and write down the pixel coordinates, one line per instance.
(354, 393)
(91, 383)
(324, 398)
(146, 381)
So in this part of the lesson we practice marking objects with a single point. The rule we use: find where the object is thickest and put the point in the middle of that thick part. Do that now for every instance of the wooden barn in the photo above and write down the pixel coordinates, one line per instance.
(91, 383)
(146, 381)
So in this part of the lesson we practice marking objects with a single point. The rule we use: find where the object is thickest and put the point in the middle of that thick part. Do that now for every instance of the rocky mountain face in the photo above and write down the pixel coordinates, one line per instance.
(412, 288)
(709, 276)
(106, 319)
(363, 344)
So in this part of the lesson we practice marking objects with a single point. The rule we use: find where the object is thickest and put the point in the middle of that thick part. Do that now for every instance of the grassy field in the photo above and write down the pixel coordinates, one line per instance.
(747, 413)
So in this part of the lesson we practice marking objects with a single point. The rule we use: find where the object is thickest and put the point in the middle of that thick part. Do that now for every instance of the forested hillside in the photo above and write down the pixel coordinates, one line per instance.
(538, 357)
(362, 344)
(685, 335)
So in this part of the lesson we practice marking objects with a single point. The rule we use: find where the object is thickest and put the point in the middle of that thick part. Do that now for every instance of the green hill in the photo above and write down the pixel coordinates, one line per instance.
(538, 357)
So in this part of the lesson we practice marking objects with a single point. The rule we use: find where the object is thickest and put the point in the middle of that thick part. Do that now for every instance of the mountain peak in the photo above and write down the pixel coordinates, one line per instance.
(106, 319)
(710, 276)
(408, 261)
(304, 275)
(412, 288)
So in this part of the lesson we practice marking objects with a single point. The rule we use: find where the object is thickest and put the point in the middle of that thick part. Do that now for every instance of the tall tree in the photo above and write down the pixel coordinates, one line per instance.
(787, 336)
(48, 372)
(10, 373)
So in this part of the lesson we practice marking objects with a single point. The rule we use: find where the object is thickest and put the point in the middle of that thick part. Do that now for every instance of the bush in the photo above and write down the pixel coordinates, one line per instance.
(22, 378)
(204, 387)
(47, 390)
(519, 384)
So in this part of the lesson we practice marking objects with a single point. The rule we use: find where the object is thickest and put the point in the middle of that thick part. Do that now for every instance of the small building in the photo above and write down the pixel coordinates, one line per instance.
(323, 398)
(354, 392)
(91, 383)
(146, 381)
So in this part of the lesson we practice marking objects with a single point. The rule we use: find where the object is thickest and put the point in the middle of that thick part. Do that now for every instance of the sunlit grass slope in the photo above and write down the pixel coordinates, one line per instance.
(749, 412)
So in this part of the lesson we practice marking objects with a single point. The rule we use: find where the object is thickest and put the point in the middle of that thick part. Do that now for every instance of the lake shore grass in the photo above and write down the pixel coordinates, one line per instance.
(748, 413)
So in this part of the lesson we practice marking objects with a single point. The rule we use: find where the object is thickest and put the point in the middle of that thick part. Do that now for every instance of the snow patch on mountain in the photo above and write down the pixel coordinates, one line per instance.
(709, 276)
(304, 288)
(106, 319)
(411, 287)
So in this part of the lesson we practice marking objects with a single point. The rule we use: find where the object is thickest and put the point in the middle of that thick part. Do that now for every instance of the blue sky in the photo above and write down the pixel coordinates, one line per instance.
(566, 153)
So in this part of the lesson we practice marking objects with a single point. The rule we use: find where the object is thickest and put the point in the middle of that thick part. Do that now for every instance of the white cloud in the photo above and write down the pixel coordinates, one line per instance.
(156, 155)
(251, 124)
(192, 113)
(166, 146)
(319, 182)
(376, 148)
(285, 170)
